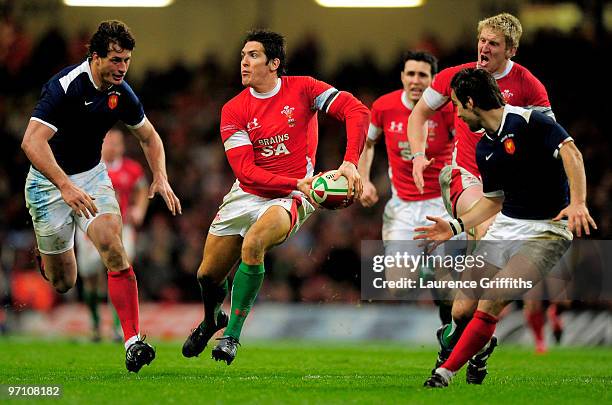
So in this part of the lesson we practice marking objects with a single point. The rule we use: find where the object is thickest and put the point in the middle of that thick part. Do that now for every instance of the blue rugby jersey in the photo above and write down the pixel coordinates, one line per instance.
(521, 162)
(81, 115)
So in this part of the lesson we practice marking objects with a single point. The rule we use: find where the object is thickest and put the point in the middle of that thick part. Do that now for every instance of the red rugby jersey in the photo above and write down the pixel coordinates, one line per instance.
(390, 115)
(125, 174)
(271, 139)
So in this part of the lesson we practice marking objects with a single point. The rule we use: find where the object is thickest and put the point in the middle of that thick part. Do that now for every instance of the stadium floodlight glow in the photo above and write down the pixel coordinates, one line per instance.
(370, 3)
(118, 3)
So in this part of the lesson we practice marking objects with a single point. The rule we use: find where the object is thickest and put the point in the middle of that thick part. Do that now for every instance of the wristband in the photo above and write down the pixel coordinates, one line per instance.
(415, 154)
(456, 226)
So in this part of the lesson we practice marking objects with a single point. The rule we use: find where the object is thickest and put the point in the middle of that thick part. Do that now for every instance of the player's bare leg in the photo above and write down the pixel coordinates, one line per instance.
(105, 233)
(221, 254)
(60, 270)
(268, 231)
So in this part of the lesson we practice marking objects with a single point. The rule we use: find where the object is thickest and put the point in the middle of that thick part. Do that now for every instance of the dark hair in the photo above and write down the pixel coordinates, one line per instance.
(480, 86)
(273, 44)
(421, 56)
(110, 32)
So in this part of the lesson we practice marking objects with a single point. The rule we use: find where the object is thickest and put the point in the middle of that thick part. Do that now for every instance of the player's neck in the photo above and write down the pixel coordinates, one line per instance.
(97, 78)
(266, 86)
(492, 120)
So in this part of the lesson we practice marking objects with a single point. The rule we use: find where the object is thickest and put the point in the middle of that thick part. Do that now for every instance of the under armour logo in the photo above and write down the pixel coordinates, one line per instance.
(253, 124)
(396, 126)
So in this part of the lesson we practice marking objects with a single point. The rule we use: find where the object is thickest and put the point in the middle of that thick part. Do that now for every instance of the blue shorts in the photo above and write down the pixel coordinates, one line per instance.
(53, 220)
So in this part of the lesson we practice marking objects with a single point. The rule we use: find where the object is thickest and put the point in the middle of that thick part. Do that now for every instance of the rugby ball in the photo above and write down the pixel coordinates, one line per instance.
(330, 193)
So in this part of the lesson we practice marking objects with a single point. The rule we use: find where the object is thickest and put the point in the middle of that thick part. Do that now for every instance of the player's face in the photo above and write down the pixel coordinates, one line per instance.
(112, 147)
(255, 69)
(466, 114)
(112, 68)
(416, 77)
(492, 52)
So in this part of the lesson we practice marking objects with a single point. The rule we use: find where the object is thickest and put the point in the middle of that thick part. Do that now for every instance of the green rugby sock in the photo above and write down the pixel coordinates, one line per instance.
(212, 297)
(91, 300)
(452, 333)
(247, 282)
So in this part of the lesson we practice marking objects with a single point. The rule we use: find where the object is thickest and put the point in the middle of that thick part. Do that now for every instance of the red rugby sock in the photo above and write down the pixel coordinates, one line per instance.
(123, 292)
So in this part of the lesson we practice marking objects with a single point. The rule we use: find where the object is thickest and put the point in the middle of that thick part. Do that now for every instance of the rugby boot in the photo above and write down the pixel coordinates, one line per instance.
(443, 353)
(225, 349)
(477, 365)
(138, 354)
(199, 337)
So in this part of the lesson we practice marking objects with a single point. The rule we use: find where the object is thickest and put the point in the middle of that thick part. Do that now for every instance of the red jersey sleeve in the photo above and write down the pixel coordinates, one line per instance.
(344, 107)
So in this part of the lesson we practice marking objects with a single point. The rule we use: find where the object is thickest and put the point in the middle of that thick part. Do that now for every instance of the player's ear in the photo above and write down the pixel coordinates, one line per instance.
(274, 64)
(469, 103)
(510, 52)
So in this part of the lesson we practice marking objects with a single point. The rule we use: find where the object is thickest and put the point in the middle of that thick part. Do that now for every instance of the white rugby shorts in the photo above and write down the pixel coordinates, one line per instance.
(53, 220)
(240, 210)
(544, 241)
(401, 217)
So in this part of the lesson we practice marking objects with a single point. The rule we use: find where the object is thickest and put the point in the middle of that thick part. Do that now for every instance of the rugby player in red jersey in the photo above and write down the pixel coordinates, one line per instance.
(407, 207)
(269, 132)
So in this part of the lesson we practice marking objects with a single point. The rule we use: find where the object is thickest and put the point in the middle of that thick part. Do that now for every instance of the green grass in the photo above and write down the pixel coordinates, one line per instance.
(303, 372)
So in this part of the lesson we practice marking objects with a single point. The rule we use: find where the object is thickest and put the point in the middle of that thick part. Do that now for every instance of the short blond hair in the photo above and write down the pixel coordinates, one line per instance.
(505, 23)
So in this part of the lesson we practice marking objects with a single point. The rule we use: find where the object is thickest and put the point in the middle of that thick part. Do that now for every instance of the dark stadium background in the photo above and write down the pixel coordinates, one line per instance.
(186, 65)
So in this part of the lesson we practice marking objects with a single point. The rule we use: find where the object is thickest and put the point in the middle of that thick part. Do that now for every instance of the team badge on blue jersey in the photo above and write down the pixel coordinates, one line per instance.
(509, 146)
(113, 100)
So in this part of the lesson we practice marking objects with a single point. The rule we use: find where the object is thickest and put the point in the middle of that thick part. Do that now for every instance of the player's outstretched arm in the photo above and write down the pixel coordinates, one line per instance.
(35, 144)
(443, 230)
(153, 148)
(417, 137)
(577, 213)
(369, 196)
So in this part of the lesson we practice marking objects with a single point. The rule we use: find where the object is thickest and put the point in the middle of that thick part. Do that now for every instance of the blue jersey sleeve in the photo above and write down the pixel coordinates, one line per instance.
(50, 105)
(554, 134)
(133, 113)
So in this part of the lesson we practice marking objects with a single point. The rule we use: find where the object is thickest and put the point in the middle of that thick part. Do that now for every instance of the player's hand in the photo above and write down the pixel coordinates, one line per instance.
(161, 186)
(369, 197)
(419, 164)
(355, 186)
(437, 233)
(578, 218)
(305, 185)
(80, 202)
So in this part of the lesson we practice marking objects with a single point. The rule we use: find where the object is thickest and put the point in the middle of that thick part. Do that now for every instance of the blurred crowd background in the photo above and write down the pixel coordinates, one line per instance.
(322, 262)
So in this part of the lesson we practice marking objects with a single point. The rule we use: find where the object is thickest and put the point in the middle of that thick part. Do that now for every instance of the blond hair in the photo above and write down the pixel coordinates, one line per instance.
(507, 24)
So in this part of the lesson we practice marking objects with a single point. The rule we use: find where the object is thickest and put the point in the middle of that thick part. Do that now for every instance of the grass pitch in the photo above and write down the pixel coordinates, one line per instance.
(302, 372)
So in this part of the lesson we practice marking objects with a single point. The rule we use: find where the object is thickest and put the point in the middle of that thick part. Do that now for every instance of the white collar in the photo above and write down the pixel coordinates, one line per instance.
(407, 103)
(269, 94)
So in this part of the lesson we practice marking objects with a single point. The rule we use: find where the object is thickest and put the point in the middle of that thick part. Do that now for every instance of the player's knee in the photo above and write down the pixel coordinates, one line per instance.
(253, 250)
(462, 314)
(62, 284)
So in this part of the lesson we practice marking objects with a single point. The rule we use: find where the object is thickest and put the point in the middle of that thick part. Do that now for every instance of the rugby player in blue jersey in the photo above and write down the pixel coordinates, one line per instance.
(68, 185)
(525, 159)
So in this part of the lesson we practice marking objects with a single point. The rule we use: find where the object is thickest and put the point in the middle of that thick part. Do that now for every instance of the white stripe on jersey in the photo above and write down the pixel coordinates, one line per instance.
(74, 73)
(321, 99)
(238, 138)
(374, 132)
(309, 167)
(53, 127)
(556, 153)
(433, 99)
(141, 123)
(544, 110)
